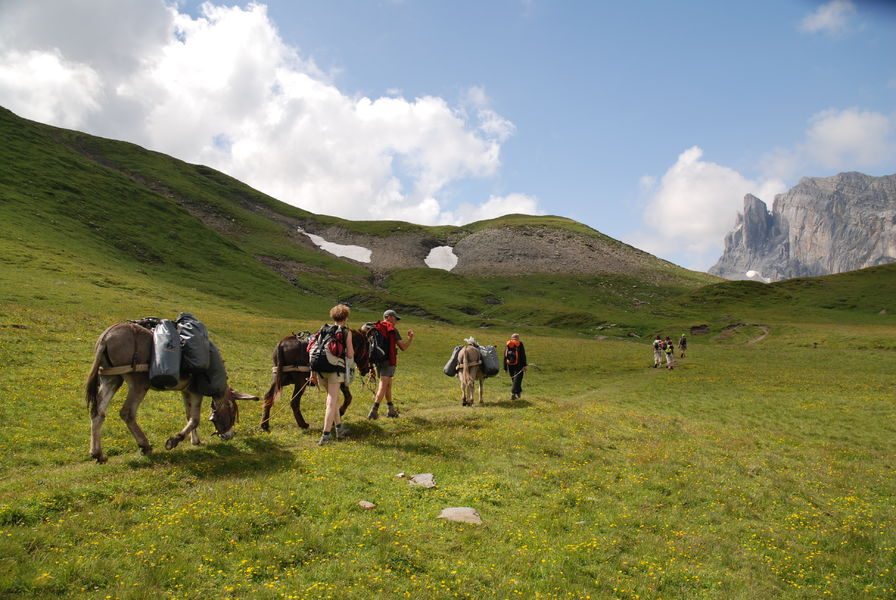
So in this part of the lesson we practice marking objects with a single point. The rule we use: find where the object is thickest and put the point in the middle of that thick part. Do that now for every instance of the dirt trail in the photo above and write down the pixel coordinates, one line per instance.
(765, 332)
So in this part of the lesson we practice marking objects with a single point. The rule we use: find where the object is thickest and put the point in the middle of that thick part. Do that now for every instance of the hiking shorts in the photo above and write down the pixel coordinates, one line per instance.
(335, 377)
(384, 369)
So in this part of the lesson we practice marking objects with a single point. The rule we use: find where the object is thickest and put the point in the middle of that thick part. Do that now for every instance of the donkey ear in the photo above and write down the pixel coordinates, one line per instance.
(241, 396)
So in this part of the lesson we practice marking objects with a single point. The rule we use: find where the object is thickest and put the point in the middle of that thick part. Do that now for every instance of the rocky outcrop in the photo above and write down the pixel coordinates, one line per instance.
(823, 225)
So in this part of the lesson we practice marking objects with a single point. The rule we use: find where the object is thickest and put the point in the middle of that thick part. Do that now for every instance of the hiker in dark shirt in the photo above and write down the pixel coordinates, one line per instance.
(682, 345)
(515, 364)
(386, 368)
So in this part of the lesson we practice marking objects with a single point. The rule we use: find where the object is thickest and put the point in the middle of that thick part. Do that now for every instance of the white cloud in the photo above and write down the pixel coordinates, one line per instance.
(838, 140)
(832, 17)
(494, 207)
(45, 87)
(693, 206)
(224, 89)
(850, 138)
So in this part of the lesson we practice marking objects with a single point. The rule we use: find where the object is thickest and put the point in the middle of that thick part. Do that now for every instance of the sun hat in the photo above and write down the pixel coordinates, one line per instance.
(391, 313)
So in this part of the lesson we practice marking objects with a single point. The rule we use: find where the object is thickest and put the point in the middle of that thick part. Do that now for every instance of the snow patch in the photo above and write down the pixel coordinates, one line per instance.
(441, 257)
(358, 253)
(751, 274)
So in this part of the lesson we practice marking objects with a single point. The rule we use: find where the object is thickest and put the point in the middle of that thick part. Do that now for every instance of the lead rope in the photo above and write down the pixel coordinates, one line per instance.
(275, 407)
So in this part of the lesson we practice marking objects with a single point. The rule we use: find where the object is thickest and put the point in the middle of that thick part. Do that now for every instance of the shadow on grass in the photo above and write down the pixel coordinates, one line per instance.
(421, 448)
(513, 404)
(223, 460)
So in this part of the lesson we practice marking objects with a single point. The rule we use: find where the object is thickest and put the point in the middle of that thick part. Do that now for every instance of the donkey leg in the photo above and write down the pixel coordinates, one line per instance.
(296, 403)
(137, 389)
(347, 393)
(195, 403)
(194, 435)
(273, 395)
(108, 387)
(481, 402)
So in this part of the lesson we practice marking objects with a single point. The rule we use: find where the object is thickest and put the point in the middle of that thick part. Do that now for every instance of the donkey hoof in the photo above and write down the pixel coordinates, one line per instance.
(146, 450)
(99, 458)
(266, 427)
(304, 425)
(171, 443)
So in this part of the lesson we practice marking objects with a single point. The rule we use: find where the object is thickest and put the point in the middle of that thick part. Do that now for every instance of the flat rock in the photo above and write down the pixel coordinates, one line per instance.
(461, 514)
(426, 480)
(366, 505)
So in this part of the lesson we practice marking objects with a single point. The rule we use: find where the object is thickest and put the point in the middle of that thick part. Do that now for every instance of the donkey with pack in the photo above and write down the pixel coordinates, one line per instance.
(147, 354)
(296, 356)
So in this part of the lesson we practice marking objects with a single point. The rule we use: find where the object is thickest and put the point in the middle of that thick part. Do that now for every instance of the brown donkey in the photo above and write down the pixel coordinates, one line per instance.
(291, 368)
(122, 354)
(469, 371)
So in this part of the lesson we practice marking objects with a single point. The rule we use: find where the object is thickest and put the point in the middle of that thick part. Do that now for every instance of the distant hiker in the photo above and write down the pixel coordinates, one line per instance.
(657, 351)
(386, 368)
(515, 364)
(331, 356)
(682, 345)
(669, 349)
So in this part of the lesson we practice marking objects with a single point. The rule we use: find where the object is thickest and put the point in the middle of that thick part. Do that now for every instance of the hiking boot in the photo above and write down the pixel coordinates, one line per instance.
(324, 439)
(341, 432)
(374, 414)
(393, 412)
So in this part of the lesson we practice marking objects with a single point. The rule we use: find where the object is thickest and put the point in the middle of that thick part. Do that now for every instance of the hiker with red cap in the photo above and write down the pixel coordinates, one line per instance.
(385, 369)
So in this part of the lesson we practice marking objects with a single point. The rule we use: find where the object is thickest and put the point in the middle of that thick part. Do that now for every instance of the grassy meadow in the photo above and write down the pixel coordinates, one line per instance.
(752, 470)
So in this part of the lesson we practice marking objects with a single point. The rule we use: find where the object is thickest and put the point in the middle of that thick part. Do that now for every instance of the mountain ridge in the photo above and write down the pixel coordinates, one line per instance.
(821, 226)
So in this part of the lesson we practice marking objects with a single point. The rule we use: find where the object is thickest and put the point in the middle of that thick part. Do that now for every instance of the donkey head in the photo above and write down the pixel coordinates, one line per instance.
(225, 412)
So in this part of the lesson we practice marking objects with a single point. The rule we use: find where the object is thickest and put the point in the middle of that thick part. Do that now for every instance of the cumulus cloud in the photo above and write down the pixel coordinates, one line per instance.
(224, 89)
(832, 17)
(49, 88)
(693, 205)
(838, 140)
(496, 206)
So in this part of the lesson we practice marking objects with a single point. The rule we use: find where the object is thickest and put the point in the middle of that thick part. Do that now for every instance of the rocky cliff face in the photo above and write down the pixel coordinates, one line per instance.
(821, 226)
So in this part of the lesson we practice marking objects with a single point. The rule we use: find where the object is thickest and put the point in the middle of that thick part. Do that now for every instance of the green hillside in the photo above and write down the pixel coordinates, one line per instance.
(760, 467)
(117, 213)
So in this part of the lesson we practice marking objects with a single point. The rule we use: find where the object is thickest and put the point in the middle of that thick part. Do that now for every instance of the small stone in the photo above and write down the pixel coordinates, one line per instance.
(400, 475)
(461, 514)
(426, 480)
(366, 505)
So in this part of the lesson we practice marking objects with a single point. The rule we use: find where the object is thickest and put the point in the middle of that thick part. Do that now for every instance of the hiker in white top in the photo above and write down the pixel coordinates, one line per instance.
(334, 379)
(657, 352)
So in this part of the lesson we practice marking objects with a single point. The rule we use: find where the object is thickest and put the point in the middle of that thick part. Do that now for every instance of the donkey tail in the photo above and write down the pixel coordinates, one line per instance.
(93, 381)
(277, 383)
(91, 388)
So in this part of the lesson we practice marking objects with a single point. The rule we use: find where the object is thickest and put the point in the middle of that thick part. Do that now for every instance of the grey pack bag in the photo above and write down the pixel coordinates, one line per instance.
(213, 380)
(451, 366)
(164, 368)
(194, 338)
(490, 363)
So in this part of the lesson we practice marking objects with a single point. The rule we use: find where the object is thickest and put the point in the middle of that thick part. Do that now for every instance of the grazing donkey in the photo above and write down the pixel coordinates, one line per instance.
(469, 371)
(122, 353)
(291, 368)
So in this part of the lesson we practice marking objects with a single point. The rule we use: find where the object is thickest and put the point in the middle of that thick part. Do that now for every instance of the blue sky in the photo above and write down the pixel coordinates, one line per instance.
(647, 121)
